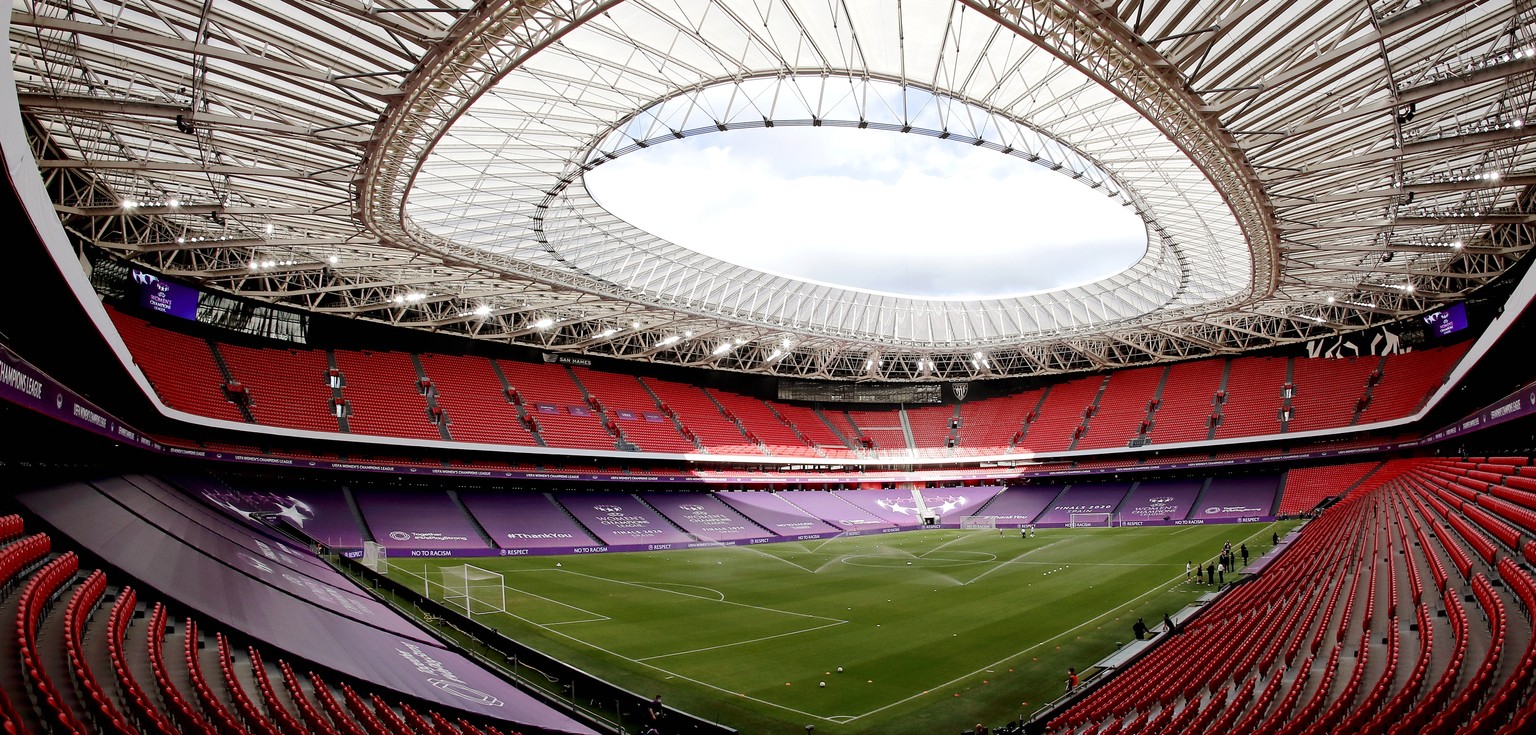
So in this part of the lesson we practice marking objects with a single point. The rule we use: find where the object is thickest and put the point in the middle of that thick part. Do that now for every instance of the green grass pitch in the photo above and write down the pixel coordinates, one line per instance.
(935, 630)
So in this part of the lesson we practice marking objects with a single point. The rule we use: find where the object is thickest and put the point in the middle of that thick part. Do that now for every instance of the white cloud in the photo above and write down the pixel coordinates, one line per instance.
(875, 210)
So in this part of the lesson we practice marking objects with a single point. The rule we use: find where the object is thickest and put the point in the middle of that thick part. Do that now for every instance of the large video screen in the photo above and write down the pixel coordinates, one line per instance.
(1446, 321)
(165, 297)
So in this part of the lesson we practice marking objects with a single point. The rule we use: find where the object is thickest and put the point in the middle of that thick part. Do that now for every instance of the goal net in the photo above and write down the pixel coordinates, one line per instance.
(978, 522)
(474, 590)
(375, 556)
(1090, 520)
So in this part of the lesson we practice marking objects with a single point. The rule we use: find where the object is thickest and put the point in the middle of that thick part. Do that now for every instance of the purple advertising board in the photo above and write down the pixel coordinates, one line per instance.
(1083, 498)
(772, 512)
(521, 521)
(1020, 505)
(212, 588)
(1159, 501)
(417, 520)
(834, 510)
(619, 518)
(1237, 498)
(704, 516)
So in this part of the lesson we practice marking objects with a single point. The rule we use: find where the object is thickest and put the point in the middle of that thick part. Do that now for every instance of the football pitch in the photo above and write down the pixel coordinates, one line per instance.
(934, 630)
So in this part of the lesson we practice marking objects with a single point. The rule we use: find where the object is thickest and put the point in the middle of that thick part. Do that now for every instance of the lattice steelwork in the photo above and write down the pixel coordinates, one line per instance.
(1302, 167)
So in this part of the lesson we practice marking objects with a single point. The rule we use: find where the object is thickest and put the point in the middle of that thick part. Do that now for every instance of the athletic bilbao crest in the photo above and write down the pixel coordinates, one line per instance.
(960, 390)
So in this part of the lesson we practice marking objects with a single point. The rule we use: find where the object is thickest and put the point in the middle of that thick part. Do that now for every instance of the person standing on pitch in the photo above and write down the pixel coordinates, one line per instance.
(1071, 679)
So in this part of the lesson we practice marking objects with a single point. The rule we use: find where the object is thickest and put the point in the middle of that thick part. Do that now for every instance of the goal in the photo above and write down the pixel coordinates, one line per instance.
(1090, 520)
(375, 556)
(973, 523)
(474, 590)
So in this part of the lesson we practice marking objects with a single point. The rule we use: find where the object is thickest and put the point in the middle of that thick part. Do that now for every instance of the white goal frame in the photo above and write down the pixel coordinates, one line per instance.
(1090, 520)
(376, 556)
(474, 590)
(978, 523)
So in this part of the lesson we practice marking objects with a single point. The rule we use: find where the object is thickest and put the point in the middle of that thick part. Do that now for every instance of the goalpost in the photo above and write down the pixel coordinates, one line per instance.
(977, 523)
(474, 590)
(1090, 520)
(375, 556)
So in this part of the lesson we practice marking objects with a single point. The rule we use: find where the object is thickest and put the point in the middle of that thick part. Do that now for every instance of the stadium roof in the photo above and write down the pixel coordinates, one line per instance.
(1302, 167)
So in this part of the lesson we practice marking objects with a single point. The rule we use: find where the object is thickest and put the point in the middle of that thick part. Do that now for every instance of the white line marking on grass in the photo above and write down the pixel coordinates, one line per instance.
(720, 596)
(776, 558)
(1019, 653)
(706, 599)
(1014, 560)
(946, 543)
(740, 643)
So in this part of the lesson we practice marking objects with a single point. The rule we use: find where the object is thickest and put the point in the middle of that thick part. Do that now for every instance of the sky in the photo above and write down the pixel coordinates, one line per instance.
(874, 210)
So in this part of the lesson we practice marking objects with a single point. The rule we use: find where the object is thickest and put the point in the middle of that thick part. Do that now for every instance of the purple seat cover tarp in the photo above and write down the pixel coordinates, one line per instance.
(1084, 499)
(835, 510)
(525, 520)
(417, 520)
(618, 518)
(956, 502)
(1020, 505)
(703, 515)
(895, 507)
(1237, 497)
(198, 581)
(773, 513)
(1160, 500)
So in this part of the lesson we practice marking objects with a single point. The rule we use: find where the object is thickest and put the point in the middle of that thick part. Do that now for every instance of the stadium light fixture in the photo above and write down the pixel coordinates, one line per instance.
(672, 340)
(544, 323)
(483, 310)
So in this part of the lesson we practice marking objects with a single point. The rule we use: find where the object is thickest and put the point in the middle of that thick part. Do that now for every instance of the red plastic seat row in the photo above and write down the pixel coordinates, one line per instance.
(103, 712)
(186, 717)
(252, 717)
(213, 707)
(36, 594)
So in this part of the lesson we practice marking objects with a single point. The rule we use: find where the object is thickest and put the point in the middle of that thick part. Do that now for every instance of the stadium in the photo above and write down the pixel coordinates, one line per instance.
(361, 385)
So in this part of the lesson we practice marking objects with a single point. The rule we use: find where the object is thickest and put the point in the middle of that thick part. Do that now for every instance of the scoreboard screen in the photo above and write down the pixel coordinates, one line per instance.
(826, 392)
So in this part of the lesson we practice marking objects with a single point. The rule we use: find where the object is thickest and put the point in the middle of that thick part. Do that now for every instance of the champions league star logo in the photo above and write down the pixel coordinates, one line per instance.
(1160, 501)
(294, 510)
(612, 510)
(896, 506)
(691, 508)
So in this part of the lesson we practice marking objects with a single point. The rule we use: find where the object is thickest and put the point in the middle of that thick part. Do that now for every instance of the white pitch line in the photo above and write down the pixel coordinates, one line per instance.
(706, 599)
(1014, 560)
(741, 643)
(1017, 654)
(946, 543)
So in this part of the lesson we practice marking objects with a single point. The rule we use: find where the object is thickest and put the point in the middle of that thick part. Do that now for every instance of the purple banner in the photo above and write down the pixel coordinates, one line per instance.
(705, 516)
(526, 521)
(834, 510)
(546, 408)
(624, 414)
(322, 515)
(1154, 501)
(417, 520)
(772, 512)
(1020, 505)
(23, 384)
(653, 417)
(618, 518)
(1084, 499)
(1237, 498)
